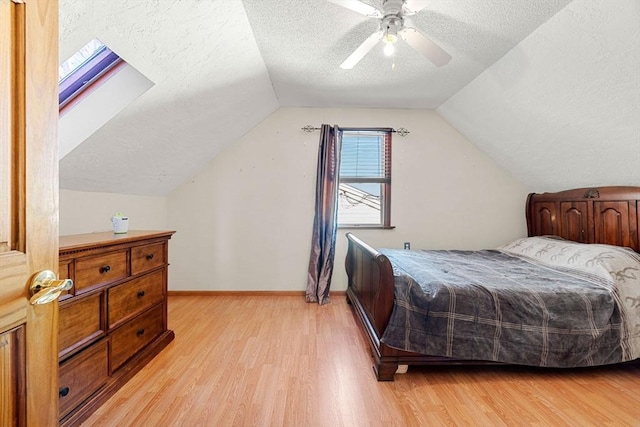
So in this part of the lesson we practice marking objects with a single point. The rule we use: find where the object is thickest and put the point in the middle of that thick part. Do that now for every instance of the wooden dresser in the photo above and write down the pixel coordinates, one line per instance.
(114, 319)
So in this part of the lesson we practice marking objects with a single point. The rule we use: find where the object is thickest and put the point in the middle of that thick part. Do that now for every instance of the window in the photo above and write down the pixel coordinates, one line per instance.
(364, 191)
(83, 68)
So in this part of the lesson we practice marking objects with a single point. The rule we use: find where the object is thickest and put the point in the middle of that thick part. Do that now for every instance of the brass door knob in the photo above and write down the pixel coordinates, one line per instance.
(45, 287)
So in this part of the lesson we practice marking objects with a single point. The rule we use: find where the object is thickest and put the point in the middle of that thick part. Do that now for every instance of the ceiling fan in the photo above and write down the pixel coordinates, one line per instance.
(393, 24)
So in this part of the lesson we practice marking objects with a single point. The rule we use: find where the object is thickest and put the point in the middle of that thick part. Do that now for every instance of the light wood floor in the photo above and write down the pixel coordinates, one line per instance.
(277, 361)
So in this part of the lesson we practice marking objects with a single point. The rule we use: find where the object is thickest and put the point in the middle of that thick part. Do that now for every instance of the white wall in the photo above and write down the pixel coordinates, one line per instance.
(85, 212)
(244, 222)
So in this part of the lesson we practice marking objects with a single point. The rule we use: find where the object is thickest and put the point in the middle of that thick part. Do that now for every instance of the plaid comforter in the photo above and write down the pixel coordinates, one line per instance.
(537, 301)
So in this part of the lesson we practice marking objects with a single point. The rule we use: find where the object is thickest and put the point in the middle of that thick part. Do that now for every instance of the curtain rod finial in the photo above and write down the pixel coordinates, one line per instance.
(309, 128)
(402, 132)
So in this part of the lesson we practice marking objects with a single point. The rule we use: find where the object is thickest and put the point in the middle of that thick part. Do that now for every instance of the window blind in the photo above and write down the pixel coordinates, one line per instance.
(365, 155)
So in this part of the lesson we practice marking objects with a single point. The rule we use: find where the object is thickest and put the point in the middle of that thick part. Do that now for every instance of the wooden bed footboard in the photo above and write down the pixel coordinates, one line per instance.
(370, 292)
(371, 279)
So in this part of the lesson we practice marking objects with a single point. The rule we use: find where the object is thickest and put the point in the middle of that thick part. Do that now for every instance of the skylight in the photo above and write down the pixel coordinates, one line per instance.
(79, 58)
(83, 68)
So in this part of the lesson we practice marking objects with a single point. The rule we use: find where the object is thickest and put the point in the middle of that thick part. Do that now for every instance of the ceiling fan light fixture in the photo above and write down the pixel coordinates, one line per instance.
(389, 39)
(392, 22)
(389, 49)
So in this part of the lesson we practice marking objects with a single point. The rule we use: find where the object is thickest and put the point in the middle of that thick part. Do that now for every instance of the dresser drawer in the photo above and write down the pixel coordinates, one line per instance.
(81, 321)
(100, 270)
(134, 335)
(129, 299)
(82, 375)
(144, 258)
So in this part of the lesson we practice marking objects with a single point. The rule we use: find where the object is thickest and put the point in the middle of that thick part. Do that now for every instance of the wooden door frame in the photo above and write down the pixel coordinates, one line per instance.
(33, 236)
(41, 117)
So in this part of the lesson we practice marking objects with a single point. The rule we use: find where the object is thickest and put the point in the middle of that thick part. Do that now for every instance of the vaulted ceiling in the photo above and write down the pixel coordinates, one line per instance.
(548, 88)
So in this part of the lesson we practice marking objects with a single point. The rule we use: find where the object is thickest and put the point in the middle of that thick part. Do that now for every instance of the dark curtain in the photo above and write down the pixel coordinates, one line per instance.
(325, 222)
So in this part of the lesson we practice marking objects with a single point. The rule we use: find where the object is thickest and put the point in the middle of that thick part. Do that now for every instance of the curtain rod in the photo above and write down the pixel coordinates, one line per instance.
(400, 131)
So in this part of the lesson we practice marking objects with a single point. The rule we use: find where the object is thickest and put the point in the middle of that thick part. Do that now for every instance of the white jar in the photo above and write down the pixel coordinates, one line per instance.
(120, 223)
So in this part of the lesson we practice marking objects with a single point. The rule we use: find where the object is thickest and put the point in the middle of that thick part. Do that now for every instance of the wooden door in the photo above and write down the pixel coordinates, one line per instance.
(28, 209)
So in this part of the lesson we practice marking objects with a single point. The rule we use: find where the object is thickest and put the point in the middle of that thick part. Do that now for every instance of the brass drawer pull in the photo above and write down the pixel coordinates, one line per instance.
(64, 391)
(140, 332)
(149, 257)
(140, 294)
(105, 269)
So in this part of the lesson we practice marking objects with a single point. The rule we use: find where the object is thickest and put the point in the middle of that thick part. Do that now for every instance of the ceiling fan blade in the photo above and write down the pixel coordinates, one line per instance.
(425, 46)
(411, 7)
(361, 51)
(358, 6)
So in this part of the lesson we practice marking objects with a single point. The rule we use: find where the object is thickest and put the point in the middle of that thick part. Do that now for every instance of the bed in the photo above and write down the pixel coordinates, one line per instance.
(599, 227)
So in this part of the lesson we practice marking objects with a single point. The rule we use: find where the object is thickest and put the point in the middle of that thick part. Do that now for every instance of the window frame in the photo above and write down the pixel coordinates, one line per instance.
(102, 64)
(385, 182)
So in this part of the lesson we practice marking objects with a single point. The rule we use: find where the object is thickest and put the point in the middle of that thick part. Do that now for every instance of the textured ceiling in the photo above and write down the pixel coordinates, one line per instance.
(304, 42)
(221, 66)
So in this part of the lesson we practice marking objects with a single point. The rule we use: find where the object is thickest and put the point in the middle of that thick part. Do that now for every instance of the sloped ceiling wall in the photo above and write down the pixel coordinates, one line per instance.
(562, 109)
(211, 86)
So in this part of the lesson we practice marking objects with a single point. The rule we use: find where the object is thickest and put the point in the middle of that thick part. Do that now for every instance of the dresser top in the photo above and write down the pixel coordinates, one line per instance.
(80, 241)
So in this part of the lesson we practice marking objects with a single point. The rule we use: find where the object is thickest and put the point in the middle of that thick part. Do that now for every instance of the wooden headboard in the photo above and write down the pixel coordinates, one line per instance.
(609, 215)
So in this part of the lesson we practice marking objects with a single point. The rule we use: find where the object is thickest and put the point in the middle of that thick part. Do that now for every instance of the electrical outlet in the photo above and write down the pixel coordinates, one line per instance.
(407, 245)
